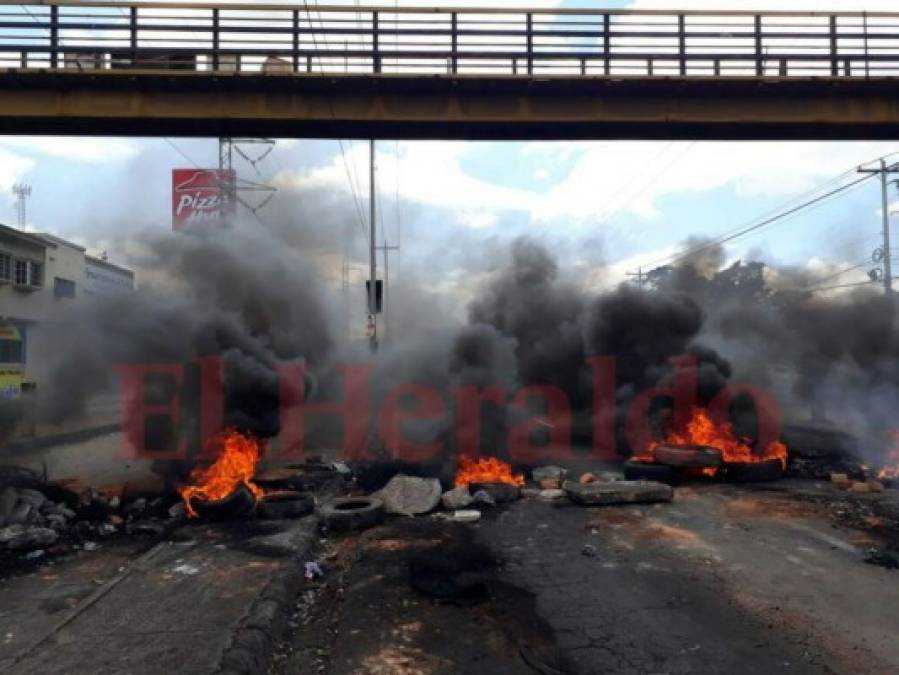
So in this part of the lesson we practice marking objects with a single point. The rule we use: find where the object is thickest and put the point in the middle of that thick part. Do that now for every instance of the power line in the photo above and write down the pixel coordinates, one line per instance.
(181, 152)
(813, 286)
(621, 201)
(766, 222)
(652, 180)
(360, 214)
(831, 288)
(779, 213)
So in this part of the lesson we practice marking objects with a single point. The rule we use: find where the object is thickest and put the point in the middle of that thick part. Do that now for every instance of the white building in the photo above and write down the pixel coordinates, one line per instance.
(41, 276)
(103, 279)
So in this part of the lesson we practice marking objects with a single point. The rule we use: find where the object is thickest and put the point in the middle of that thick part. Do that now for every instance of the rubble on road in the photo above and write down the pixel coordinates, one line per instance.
(499, 493)
(548, 473)
(28, 539)
(845, 482)
(483, 498)
(410, 496)
(466, 516)
(457, 498)
(552, 495)
(618, 492)
(39, 515)
(841, 480)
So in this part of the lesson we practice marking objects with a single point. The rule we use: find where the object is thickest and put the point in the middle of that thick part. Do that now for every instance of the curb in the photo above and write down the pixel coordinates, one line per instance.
(254, 641)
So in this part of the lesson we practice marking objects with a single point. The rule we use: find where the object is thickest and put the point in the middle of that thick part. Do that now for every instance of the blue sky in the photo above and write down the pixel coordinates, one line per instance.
(599, 204)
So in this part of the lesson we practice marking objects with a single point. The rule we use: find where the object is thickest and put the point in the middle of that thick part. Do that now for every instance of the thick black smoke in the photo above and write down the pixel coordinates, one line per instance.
(557, 326)
(829, 357)
(238, 294)
(253, 296)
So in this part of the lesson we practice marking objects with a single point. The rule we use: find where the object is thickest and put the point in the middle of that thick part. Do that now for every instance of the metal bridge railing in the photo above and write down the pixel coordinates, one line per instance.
(279, 39)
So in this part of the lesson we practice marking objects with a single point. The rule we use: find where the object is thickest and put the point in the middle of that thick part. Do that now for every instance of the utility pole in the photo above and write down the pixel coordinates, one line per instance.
(22, 192)
(372, 251)
(884, 171)
(641, 278)
(386, 248)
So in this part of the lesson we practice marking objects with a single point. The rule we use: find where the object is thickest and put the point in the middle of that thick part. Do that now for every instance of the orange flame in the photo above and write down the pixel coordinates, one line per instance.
(235, 464)
(486, 470)
(701, 430)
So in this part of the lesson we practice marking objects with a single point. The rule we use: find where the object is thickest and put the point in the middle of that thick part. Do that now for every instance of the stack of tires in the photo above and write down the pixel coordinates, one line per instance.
(675, 463)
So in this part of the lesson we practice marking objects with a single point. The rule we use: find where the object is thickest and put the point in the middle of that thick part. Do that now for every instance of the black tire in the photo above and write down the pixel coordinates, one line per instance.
(285, 504)
(646, 471)
(352, 513)
(753, 472)
(238, 504)
(688, 457)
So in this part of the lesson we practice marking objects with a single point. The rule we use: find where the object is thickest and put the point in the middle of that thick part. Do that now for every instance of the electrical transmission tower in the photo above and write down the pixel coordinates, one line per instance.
(22, 193)
(234, 187)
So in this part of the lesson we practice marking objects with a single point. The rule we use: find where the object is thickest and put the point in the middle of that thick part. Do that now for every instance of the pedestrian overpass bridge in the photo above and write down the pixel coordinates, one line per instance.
(302, 70)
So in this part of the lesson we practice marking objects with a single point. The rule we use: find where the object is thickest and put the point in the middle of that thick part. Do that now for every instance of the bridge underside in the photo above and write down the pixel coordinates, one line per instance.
(447, 107)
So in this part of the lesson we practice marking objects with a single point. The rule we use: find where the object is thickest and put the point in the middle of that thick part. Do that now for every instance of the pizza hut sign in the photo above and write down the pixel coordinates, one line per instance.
(198, 197)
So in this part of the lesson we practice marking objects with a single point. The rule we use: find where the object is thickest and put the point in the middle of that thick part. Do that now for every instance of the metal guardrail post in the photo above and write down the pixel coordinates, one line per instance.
(606, 42)
(215, 39)
(54, 36)
(530, 43)
(376, 58)
(867, 59)
(454, 38)
(834, 48)
(132, 25)
(107, 38)
(759, 63)
(296, 41)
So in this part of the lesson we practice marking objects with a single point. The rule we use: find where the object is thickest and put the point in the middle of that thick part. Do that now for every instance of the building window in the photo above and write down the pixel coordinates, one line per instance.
(20, 272)
(63, 288)
(27, 273)
(35, 274)
(5, 267)
(11, 351)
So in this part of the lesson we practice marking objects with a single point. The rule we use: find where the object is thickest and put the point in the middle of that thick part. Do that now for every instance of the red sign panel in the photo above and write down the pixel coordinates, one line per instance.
(198, 197)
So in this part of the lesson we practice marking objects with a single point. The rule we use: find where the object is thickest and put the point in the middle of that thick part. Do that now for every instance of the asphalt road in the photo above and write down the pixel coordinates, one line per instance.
(723, 580)
(726, 579)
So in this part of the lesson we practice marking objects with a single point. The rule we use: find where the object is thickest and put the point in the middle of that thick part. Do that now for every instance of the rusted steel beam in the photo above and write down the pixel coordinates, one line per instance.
(451, 107)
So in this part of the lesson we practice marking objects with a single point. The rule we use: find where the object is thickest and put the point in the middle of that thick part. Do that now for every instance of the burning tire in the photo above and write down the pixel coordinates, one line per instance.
(646, 471)
(753, 472)
(238, 504)
(285, 504)
(688, 456)
(352, 513)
